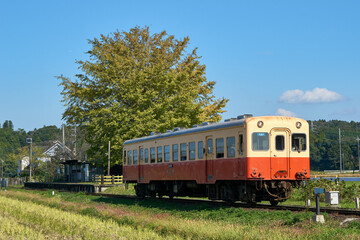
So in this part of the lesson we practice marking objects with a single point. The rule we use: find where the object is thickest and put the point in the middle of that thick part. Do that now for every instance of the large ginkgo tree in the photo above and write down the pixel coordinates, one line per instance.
(135, 83)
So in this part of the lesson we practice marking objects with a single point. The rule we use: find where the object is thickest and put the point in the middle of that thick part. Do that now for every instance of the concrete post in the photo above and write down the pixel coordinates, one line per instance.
(357, 202)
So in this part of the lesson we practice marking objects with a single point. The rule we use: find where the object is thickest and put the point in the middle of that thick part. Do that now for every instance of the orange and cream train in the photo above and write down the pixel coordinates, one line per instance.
(250, 159)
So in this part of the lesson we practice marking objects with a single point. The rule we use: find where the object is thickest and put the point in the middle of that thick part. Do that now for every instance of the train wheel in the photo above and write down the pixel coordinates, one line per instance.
(274, 202)
(140, 191)
(153, 194)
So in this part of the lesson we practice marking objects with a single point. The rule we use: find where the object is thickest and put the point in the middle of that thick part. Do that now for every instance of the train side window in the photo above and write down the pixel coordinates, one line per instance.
(159, 154)
(200, 149)
(135, 152)
(146, 157)
(280, 142)
(152, 155)
(260, 141)
(219, 148)
(129, 157)
(192, 151)
(141, 155)
(124, 158)
(230, 146)
(298, 141)
(167, 153)
(241, 144)
(175, 152)
(183, 151)
(209, 145)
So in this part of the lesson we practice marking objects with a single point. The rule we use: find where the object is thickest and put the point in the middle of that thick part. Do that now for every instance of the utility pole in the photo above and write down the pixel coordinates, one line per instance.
(109, 160)
(74, 132)
(341, 167)
(29, 140)
(358, 139)
(63, 141)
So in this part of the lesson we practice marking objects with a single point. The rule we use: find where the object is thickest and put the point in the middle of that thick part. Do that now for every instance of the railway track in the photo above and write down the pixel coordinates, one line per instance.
(329, 210)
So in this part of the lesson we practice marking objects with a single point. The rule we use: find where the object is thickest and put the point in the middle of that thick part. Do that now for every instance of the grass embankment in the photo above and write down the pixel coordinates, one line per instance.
(106, 218)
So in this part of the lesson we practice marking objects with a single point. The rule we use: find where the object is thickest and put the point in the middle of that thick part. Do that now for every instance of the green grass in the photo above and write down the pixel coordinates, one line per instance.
(173, 220)
(121, 189)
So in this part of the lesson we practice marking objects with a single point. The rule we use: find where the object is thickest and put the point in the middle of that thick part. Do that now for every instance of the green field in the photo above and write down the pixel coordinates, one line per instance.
(40, 215)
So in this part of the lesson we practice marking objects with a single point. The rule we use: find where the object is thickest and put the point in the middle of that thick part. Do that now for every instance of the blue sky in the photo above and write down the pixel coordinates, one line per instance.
(298, 58)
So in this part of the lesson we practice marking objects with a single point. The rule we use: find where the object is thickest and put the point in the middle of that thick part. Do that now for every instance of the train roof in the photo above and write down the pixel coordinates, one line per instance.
(206, 126)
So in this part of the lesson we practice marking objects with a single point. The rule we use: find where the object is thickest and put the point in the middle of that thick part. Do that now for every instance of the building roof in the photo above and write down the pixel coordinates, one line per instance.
(57, 144)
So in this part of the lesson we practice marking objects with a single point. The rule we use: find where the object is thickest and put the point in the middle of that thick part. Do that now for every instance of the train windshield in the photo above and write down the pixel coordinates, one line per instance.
(298, 142)
(260, 141)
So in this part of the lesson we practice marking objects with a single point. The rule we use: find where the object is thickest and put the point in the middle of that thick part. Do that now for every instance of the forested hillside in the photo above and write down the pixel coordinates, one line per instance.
(325, 145)
(13, 144)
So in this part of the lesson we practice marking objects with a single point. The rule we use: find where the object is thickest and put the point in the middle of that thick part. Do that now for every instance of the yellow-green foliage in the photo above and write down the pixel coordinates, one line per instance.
(135, 83)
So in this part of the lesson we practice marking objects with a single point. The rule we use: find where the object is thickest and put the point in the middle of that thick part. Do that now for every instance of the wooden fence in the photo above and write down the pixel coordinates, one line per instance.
(107, 180)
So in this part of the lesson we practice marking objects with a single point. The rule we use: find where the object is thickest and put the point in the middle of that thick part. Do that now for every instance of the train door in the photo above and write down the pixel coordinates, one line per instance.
(209, 154)
(140, 164)
(279, 153)
(241, 152)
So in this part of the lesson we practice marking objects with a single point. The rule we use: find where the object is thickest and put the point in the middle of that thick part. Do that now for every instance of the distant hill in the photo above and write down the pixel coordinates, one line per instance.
(325, 148)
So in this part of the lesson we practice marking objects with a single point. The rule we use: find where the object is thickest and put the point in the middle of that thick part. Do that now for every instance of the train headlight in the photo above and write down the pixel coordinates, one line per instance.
(260, 124)
(298, 124)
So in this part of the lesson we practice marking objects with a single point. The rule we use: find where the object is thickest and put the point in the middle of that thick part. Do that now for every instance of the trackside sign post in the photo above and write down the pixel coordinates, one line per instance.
(318, 217)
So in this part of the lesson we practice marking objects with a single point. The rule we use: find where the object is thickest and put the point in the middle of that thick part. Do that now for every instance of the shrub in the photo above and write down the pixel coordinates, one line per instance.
(347, 192)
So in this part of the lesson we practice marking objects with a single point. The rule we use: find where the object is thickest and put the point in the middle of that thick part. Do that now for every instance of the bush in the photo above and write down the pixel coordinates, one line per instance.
(347, 192)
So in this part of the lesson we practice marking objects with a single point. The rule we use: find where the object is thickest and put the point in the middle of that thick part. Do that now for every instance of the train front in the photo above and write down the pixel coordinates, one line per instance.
(278, 155)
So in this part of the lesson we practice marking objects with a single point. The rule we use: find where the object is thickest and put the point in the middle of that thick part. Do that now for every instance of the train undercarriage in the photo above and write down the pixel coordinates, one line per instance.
(229, 191)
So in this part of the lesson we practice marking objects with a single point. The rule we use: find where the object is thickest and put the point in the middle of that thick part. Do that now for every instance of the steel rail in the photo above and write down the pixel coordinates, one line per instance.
(330, 210)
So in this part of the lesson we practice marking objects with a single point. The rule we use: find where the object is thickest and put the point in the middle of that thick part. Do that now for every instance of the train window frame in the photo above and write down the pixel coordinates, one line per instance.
(280, 146)
(135, 157)
(183, 149)
(241, 144)
(230, 149)
(260, 134)
(124, 158)
(167, 153)
(141, 158)
(297, 148)
(219, 153)
(192, 150)
(175, 152)
(210, 147)
(146, 155)
(159, 154)
(129, 157)
(200, 149)
(152, 155)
